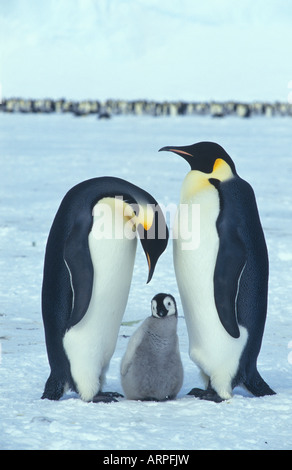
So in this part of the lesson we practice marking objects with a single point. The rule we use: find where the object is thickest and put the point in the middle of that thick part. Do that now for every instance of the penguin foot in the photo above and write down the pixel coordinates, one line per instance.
(106, 397)
(208, 394)
(54, 389)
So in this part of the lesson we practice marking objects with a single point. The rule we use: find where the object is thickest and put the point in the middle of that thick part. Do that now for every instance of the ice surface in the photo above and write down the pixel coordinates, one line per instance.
(44, 156)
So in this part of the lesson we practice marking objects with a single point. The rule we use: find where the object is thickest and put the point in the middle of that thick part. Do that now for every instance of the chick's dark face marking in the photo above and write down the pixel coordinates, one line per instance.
(163, 305)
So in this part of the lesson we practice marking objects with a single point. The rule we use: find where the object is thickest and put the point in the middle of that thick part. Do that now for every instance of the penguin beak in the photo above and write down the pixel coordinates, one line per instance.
(178, 150)
(152, 256)
(145, 219)
(162, 314)
(154, 239)
(153, 250)
(151, 268)
(182, 151)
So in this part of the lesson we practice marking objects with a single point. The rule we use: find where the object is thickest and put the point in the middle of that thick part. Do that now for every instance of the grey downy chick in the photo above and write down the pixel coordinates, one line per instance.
(151, 368)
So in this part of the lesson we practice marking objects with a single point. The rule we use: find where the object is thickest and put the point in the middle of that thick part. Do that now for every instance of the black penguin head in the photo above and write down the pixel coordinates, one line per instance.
(150, 223)
(202, 155)
(163, 305)
(154, 239)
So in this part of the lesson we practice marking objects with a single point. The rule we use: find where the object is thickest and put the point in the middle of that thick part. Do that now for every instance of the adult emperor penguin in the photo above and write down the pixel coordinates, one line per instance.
(88, 269)
(223, 279)
(151, 368)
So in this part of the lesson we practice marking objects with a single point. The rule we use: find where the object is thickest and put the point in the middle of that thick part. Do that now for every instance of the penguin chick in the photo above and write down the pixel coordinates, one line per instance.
(151, 368)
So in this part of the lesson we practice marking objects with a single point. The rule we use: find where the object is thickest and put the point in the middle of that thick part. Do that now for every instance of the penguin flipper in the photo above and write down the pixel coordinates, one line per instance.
(78, 261)
(133, 344)
(230, 263)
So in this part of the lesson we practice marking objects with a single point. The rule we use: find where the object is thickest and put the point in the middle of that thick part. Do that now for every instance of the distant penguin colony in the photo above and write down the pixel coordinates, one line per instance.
(110, 108)
(87, 277)
(151, 368)
(223, 283)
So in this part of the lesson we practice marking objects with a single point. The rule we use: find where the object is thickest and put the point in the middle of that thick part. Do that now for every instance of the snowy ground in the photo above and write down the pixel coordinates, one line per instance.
(41, 158)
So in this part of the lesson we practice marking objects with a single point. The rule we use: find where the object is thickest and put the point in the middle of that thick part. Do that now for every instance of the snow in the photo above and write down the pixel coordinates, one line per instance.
(41, 158)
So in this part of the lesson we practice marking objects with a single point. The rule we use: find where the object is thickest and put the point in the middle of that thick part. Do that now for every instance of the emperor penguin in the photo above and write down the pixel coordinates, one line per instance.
(222, 272)
(88, 269)
(151, 368)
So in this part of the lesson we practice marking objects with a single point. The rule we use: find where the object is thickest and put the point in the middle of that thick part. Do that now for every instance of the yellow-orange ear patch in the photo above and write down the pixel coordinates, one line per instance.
(221, 170)
(145, 216)
(218, 163)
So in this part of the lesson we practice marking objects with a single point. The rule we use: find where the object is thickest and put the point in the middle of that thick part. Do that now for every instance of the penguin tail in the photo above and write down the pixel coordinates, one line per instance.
(257, 386)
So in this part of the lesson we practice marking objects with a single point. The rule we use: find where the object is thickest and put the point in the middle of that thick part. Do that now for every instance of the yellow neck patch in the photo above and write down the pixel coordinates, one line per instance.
(145, 216)
(221, 170)
(196, 181)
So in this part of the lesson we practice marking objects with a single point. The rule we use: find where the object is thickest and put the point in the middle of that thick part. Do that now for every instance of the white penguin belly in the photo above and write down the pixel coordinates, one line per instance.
(210, 346)
(90, 344)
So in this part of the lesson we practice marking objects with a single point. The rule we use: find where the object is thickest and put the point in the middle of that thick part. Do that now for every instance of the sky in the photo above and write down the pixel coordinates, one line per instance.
(146, 49)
